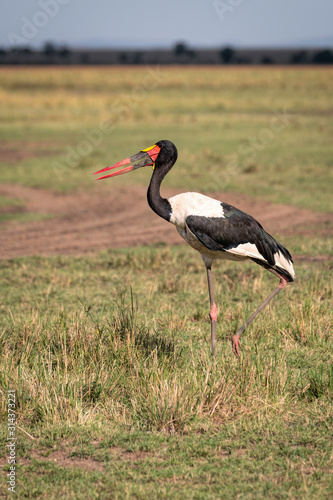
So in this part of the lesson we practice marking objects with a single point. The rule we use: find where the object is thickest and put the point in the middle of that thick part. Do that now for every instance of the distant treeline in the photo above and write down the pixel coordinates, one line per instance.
(179, 54)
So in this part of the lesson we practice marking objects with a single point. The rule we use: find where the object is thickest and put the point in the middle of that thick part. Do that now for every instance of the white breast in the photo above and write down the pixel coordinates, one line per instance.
(186, 204)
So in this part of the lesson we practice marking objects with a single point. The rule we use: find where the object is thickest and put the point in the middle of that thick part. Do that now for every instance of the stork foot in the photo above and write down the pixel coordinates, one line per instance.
(236, 345)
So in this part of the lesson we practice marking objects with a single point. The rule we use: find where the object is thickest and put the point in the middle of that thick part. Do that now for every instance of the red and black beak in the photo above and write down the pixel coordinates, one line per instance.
(145, 158)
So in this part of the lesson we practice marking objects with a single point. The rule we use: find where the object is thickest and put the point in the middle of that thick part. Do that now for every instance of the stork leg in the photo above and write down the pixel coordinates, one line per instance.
(213, 309)
(235, 339)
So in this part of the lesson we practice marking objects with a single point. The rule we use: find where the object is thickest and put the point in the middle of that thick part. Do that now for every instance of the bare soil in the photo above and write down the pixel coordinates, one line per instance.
(65, 457)
(83, 223)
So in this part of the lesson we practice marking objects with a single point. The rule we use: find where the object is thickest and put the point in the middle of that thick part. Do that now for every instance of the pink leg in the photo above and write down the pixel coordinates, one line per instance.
(235, 339)
(213, 312)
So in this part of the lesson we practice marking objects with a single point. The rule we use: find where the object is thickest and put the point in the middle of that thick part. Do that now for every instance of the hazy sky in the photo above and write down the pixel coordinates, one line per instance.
(145, 23)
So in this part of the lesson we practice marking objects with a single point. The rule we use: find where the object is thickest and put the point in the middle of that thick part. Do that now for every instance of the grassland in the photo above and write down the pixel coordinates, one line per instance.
(117, 394)
(261, 131)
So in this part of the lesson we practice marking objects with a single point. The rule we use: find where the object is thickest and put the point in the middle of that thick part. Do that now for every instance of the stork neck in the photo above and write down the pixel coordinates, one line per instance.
(159, 205)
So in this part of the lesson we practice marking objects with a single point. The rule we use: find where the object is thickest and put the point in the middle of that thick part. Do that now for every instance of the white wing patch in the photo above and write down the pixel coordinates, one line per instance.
(247, 250)
(281, 261)
(186, 204)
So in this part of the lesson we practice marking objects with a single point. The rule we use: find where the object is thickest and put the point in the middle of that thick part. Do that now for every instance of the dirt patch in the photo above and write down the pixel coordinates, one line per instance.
(114, 218)
(63, 458)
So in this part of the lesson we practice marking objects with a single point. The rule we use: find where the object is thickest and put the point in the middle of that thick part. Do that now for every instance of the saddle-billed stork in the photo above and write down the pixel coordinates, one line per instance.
(215, 229)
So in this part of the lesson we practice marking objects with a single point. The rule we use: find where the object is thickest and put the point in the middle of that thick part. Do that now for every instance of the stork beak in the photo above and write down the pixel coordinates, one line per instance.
(145, 158)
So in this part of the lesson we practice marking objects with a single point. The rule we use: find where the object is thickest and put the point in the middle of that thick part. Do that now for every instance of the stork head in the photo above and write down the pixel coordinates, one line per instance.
(161, 154)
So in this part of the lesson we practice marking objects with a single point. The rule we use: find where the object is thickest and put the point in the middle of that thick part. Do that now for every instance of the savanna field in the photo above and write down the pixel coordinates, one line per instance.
(104, 327)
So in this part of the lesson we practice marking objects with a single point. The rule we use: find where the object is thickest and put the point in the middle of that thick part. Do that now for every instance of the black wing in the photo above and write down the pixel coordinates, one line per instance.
(232, 230)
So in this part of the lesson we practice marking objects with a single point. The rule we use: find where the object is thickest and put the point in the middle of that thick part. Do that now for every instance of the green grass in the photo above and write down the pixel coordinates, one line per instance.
(117, 395)
(223, 121)
(110, 359)
(13, 202)
(235, 460)
(14, 211)
(23, 217)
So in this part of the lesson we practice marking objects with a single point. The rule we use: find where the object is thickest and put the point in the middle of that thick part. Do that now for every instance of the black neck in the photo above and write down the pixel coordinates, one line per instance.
(161, 206)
